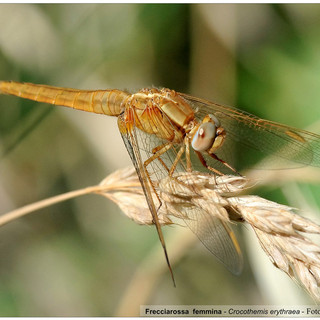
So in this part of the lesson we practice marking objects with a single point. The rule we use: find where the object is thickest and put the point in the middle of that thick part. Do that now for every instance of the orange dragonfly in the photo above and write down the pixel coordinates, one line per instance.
(167, 133)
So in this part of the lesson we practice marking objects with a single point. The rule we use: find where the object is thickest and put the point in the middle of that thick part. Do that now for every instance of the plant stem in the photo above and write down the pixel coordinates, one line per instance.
(12, 215)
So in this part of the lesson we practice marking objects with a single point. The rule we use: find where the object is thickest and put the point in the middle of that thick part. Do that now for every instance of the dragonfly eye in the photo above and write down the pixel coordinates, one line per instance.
(204, 137)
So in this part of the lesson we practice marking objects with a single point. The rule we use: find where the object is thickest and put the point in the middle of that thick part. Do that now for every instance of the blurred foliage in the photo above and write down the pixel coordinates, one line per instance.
(77, 258)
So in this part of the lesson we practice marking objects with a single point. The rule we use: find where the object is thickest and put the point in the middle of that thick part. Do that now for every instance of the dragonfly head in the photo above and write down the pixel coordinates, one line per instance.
(208, 135)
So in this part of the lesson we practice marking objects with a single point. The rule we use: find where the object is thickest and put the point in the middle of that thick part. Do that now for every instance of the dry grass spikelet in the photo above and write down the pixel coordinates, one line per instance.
(278, 228)
(280, 231)
(123, 188)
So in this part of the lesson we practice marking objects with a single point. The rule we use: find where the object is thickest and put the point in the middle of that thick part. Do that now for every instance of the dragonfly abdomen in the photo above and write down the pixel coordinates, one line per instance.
(108, 102)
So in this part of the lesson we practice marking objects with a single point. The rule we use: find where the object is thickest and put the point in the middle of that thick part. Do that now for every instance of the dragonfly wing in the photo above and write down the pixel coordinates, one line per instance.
(129, 136)
(215, 234)
(246, 130)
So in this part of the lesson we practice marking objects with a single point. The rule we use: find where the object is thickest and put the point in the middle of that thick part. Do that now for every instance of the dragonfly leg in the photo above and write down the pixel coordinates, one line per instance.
(156, 149)
(204, 163)
(157, 152)
(185, 146)
(214, 156)
(189, 166)
(175, 162)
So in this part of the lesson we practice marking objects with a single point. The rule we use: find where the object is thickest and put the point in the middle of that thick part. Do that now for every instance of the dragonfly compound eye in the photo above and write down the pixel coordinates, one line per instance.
(204, 137)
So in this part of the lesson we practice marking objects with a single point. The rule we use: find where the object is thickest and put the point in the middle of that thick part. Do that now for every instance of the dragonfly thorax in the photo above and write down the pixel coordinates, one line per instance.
(169, 116)
(160, 112)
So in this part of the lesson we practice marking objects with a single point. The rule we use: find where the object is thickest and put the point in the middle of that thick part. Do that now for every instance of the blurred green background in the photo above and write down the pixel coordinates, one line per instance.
(78, 258)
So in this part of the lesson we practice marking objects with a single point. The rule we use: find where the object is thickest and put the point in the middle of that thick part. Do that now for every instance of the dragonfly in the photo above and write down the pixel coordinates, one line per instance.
(167, 133)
